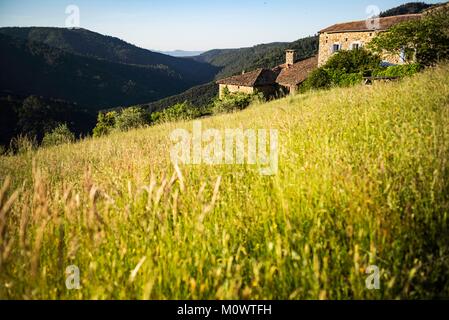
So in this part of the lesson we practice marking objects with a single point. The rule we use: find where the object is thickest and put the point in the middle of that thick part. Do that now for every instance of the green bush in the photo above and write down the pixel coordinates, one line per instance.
(318, 79)
(130, 118)
(105, 123)
(346, 68)
(59, 135)
(353, 61)
(231, 102)
(348, 79)
(399, 71)
(180, 111)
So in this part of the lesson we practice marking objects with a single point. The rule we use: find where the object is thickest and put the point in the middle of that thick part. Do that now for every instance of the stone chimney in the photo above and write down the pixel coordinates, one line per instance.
(290, 57)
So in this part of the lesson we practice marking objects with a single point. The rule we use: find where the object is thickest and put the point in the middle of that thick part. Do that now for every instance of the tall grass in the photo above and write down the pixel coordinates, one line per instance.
(363, 180)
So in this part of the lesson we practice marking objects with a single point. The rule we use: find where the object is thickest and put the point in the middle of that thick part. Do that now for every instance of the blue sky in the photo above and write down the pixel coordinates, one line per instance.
(195, 24)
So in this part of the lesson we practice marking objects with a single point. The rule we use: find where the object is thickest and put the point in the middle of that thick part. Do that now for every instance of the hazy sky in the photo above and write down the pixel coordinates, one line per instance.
(195, 24)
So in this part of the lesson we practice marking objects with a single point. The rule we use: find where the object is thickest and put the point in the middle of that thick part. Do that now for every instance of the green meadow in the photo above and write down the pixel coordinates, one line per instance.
(363, 181)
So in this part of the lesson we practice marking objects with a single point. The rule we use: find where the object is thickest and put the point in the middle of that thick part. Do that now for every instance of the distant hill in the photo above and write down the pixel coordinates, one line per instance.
(198, 96)
(95, 45)
(181, 53)
(34, 68)
(234, 61)
(408, 8)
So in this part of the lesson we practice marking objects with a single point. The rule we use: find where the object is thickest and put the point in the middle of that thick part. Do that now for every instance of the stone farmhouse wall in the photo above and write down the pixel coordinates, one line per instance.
(266, 90)
(346, 40)
(234, 89)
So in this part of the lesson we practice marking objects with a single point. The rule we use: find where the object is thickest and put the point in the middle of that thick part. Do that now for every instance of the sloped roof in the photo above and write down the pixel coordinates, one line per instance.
(296, 73)
(365, 25)
(259, 77)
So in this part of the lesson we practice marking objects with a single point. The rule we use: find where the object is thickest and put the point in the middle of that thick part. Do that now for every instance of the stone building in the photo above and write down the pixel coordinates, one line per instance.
(283, 79)
(356, 34)
(291, 76)
(260, 80)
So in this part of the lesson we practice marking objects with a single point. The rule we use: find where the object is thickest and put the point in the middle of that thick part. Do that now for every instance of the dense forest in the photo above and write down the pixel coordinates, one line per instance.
(408, 8)
(81, 73)
(91, 44)
(34, 68)
(234, 61)
(33, 116)
(199, 96)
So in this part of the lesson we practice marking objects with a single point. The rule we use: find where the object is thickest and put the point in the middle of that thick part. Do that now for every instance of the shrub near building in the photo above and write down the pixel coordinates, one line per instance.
(345, 68)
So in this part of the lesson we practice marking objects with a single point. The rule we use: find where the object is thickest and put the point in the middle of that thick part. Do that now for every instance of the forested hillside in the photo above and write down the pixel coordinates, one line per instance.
(198, 96)
(95, 45)
(35, 68)
(234, 61)
(408, 8)
(33, 116)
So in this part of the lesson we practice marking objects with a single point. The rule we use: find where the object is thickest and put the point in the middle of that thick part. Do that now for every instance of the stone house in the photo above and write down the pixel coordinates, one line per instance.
(292, 75)
(287, 78)
(260, 80)
(283, 79)
(356, 34)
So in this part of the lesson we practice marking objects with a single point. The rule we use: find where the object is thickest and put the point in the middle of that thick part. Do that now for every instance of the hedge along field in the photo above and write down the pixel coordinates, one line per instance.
(362, 181)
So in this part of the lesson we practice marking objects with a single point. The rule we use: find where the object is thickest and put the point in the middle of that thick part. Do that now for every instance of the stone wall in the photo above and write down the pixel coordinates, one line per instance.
(234, 89)
(346, 41)
(266, 90)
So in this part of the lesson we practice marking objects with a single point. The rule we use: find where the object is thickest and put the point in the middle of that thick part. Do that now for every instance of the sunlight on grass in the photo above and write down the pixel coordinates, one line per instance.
(363, 180)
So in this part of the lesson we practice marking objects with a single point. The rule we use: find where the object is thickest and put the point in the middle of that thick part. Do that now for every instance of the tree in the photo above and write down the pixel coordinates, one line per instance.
(35, 117)
(231, 102)
(318, 79)
(180, 111)
(426, 40)
(105, 123)
(60, 135)
(353, 61)
(130, 118)
(345, 68)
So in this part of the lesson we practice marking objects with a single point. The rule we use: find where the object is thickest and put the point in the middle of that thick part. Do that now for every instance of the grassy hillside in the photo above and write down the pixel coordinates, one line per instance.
(363, 180)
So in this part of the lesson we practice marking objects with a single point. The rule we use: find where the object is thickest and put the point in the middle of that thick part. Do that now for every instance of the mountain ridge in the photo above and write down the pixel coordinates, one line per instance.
(95, 45)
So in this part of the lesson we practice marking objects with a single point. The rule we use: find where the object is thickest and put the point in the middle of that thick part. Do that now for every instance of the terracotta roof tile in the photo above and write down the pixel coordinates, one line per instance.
(296, 73)
(259, 77)
(364, 25)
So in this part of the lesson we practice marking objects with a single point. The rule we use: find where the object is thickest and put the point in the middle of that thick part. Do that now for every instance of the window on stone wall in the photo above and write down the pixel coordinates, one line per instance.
(336, 47)
(355, 46)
